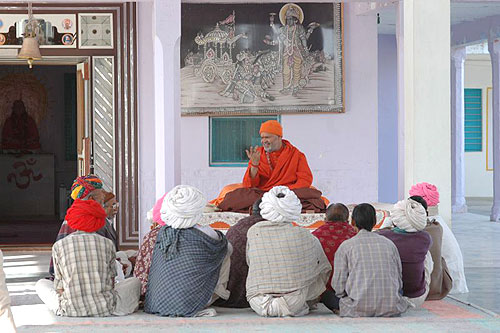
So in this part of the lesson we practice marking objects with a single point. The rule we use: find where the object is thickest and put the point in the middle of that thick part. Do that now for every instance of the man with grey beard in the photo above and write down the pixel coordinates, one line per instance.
(276, 163)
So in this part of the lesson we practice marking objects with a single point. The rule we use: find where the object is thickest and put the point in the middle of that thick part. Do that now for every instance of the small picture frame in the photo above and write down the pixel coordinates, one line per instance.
(67, 39)
(67, 24)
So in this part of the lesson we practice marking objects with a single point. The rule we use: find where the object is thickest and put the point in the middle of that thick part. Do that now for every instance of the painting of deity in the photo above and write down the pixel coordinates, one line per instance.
(261, 58)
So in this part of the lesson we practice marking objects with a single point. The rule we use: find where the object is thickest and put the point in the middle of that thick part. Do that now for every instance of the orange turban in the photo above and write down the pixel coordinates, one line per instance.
(272, 127)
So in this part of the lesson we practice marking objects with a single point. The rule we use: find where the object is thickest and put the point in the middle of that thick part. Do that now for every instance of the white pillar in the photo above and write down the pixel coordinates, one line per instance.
(146, 113)
(457, 131)
(401, 113)
(426, 97)
(167, 25)
(494, 49)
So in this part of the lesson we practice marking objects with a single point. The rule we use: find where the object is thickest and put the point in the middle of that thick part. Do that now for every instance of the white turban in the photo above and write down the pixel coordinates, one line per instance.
(409, 215)
(285, 209)
(182, 207)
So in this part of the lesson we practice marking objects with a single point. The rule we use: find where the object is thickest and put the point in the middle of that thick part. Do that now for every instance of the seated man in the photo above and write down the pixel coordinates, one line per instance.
(81, 188)
(111, 206)
(410, 219)
(277, 162)
(335, 230)
(237, 236)
(85, 270)
(287, 268)
(145, 254)
(6, 319)
(441, 281)
(367, 271)
(190, 265)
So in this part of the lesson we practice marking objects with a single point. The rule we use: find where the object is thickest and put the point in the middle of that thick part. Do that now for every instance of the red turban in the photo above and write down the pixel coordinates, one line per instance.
(272, 127)
(86, 215)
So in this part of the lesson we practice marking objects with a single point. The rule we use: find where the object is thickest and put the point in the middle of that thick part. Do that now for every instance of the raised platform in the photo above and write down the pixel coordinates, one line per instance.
(225, 220)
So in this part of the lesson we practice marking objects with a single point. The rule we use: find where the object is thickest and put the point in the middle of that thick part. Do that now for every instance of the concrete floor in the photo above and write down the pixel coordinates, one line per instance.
(479, 239)
(480, 206)
(477, 236)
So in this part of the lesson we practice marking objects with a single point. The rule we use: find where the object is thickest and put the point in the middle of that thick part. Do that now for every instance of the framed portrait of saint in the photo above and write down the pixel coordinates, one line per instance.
(265, 58)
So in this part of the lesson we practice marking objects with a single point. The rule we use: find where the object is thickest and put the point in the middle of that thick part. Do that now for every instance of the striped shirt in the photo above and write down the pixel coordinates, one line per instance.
(367, 277)
(84, 267)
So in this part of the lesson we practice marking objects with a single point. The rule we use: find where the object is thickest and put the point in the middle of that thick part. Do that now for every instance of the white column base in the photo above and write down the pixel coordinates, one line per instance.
(459, 208)
(495, 213)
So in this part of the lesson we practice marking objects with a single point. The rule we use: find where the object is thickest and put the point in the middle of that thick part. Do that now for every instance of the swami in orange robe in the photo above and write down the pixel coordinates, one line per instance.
(286, 166)
(283, 166)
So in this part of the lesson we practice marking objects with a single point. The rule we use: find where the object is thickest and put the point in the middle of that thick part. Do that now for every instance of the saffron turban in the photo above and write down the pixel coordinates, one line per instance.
(272, 127)
(182, 207)
(409, 215)
(427, 191)
(86, 215)
(280, 204)
(82, 186)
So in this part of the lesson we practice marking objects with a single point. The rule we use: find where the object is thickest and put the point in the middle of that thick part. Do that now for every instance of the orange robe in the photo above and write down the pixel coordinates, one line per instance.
(287, 166)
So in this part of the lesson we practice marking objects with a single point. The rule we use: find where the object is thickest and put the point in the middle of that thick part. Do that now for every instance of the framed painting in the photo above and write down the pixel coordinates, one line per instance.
(265, 58)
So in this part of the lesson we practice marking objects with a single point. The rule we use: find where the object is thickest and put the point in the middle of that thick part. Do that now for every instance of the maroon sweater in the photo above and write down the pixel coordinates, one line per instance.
(237, 236)
(412, 248)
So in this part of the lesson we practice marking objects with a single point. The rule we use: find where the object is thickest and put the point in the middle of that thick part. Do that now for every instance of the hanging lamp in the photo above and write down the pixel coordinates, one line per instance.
(30, 49)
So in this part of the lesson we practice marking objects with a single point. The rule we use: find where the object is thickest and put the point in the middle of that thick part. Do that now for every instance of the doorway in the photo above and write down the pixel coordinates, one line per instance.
(42, 151)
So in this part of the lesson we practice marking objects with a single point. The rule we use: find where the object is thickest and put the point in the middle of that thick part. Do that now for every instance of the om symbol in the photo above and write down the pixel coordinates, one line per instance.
(24, 172)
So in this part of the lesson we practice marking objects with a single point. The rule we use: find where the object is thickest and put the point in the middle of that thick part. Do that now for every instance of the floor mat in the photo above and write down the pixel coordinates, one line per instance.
(438, 316)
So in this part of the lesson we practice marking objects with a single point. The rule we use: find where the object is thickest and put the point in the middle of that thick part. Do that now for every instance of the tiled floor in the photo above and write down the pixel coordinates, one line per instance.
(22, 270)
(479, 240)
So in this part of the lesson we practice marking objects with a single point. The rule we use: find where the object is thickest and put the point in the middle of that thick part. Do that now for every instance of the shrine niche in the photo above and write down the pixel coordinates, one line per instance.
(21, 91)
(26, 174)
(19, 132)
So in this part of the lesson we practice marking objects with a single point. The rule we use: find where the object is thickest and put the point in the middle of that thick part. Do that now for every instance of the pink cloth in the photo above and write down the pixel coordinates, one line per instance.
(156, 211)
(427, 191)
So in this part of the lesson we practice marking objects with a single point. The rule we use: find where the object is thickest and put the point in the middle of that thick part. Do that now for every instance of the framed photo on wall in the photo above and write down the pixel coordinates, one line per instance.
(265, 58)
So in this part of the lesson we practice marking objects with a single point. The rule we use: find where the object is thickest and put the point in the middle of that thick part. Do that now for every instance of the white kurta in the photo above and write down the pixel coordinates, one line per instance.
(288, 269)
(6, 319)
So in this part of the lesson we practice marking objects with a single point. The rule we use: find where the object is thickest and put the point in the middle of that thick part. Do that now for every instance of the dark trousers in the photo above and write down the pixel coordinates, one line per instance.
(330, 300)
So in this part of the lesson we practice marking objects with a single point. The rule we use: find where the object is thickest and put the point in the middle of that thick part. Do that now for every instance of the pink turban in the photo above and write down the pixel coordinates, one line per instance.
(427, 191)
(156, 211)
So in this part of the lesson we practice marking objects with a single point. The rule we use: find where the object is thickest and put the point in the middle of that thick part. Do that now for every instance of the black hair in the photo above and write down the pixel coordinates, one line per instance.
(337, 212)
(256, 208)
(364, 216)
(421, 201)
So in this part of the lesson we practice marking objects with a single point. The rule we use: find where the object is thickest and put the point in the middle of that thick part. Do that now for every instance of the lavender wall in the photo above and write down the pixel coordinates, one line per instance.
(387, 119)
(342, 149)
